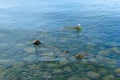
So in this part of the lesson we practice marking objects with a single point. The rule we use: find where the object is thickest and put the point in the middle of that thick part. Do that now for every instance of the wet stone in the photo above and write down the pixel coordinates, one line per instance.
(92, 74)
(30, 50)
(56, 71)
(103, 52)
(47, 75)
(30, 58)
(20, 45)
(79, 56)
(52, 65)
(63, 62)
(48, 54)
(66, 51)
(37, 42)
(102, 71)
(84, 79)
(117, 72)
(77, 78)
(72, 58)
(73, 78)
(67, 69)
(3, 44)
(109, 77)
(115, 49)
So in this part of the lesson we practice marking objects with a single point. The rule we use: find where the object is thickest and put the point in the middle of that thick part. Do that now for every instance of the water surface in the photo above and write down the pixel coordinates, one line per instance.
(21, 22)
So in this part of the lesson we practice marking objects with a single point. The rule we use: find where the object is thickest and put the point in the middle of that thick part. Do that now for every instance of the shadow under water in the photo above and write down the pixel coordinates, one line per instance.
(21, 60)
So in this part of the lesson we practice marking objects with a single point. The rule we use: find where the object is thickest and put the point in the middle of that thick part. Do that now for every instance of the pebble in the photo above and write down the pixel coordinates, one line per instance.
(20, 45)
(66, 51)
(73, 78)
(67, 69)
(48, 54)
(63, 62)
(79, 56)
(30, 50)
(115, 49)
(56, 71)
(109, 77)
(37, 42)
(47, 75)
(3, 44)
(77, 78)
(51, 65)
(92, 74)
(117, 72)
(103, 52)
(102, 71)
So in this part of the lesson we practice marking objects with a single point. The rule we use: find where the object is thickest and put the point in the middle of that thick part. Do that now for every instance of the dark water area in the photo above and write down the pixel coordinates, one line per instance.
(98, 44)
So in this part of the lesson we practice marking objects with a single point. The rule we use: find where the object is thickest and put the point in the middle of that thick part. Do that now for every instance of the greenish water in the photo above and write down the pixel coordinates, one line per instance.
(22, 22)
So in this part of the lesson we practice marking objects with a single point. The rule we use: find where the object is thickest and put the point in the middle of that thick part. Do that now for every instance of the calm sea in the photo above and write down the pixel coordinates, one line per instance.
(23, 21)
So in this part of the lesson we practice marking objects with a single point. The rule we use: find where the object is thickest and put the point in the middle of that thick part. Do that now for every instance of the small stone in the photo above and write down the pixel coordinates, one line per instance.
(64, 62)
(66, 51)
(3, 44)
(51, 65)
(30, 50)
(37, 42)
(79, 56)
(47, 75)
(48, 54)
(115, 49)
(102, 71)
(84, 79)
(117, 72)
(67, 69)
(77, 78)
(109, 77)
(103, 52)
(56, 71)
(73, 78)
(92, 74)
(72, 58)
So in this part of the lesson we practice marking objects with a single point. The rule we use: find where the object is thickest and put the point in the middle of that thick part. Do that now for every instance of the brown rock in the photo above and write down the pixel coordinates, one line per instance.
(79, 56)
(37, 42)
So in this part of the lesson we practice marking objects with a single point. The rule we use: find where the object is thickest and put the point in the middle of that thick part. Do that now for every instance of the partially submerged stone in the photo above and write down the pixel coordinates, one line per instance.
(77, 28)
(79, 56)
(37, 42)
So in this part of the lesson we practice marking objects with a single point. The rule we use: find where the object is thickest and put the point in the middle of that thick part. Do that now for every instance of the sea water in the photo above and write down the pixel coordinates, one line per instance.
(22, 22)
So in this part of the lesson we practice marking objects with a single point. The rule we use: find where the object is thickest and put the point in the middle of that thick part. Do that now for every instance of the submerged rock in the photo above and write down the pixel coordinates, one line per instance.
(73, 78)
(115, 49)
(67, 69)
(92, 74)
(109, 77)
(37, 42)
(30, 49)
(57, 71)
(77, 78)
(117, 72)
(66, 51)
(3, 44)
(79, 56)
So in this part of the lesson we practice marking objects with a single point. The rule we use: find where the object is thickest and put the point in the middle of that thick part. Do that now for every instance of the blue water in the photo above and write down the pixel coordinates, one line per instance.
(23, 21)
(98, 18)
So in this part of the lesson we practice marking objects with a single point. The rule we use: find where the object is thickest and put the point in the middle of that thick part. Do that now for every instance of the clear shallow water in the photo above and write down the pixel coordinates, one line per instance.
(21, 22)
